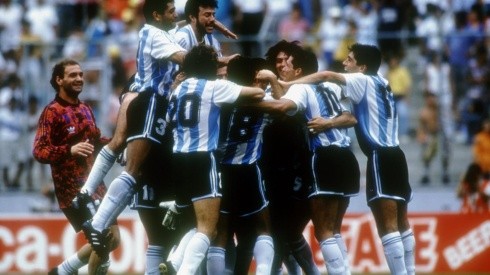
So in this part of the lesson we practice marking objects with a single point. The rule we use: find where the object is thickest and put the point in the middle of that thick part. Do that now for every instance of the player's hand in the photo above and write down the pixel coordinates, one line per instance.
(171, 215)
(265, 75)
(318, 124)
(123, 157)
(82, 149)
(224, 30)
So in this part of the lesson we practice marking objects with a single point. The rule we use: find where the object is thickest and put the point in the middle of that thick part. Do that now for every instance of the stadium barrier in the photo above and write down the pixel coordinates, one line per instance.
(446, 242)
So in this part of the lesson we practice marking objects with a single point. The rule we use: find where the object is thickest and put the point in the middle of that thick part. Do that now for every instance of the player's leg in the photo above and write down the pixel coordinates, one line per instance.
(201, 186)
(108, 154)
(264, 245)
(344, 203)
(98, 265)
(207, 215)
(385, 213)
(324, 209)
(74, 262)
(408, 238)
(160, 239)
(141, 117)
(216, 260)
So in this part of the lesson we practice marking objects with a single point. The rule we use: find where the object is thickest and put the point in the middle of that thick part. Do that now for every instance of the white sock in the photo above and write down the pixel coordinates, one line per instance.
(154, 256)
(70, 265)
(343, 249)
(177, 256)
(409, 247)
(332, 256)
(103, 163)
(194, 254)
(302, 253)
(264, 254)
(216, 260)
(394, 253)
(118, 196)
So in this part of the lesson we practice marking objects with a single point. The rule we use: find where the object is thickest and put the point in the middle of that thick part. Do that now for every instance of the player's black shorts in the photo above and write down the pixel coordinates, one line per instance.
(146, 117)
(155, 183)
(387, 175)
(335, 172)
(243, 189)
(195, 176)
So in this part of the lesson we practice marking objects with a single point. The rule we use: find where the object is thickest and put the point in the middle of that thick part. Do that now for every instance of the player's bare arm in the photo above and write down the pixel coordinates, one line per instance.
(217, 25)
(320, 124)
(266, 75)
(178, 57)
(317, 77)
(224, 30)
(279, 106)
(224, 60)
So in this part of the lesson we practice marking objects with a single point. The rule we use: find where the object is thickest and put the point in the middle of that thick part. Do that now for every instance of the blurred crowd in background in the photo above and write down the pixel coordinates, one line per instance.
(430, 47)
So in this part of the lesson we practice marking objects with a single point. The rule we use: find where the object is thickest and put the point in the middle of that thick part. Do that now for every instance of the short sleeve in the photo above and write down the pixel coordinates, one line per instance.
(226, 92)
(355, 86)
(297, 94)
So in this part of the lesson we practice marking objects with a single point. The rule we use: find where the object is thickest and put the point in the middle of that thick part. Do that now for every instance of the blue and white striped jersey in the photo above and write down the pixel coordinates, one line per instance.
(153, 68)
(186, 38)
(323, 100)
(243, 141)
(194, 112)
(374, 108)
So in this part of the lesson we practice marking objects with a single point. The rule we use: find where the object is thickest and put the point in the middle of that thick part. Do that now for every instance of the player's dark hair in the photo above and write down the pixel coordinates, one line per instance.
(282, 46)
(242, 70)
(154, 5)
(368, 55)
(305, 59)
(192, 7)
(201, 62)
(59, 71)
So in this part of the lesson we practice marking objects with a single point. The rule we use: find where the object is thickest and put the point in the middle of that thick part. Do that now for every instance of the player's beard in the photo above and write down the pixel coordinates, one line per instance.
(73, 92)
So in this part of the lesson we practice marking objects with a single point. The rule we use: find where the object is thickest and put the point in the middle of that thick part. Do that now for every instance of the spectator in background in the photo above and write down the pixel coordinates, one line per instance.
(433, 28)
(474, 106)
(437, 81)
(43, 21)
(481, 149)
(128, 41)
(428, 135)
(75, 45)
(247, 22)
(390, 23)
(11, 14)
(294, 27)
(400, 80)
(341, 52)
(331, 31)
(459, 44)
(367, 25)
(471, 191)
(33, 113)
(30, 65)
(13, 155)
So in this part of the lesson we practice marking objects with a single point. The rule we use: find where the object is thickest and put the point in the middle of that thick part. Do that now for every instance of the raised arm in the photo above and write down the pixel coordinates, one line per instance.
(224, 30)
(317, 78)
(268, 76)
